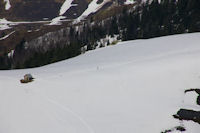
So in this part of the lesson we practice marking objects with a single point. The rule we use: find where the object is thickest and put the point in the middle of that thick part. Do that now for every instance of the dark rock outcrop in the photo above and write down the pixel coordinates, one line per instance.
(186, 114)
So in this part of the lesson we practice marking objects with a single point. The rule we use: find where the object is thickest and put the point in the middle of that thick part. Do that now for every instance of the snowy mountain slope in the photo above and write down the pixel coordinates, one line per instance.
(50, 11)
(134, 86)
(20, 11)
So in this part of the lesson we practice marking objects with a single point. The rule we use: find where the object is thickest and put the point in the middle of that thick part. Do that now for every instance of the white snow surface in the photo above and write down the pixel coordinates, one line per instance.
(128, 2)
(56, 21)
(4, 21)
(108, 38)
(135, 86)
(92, 8)
(4, 27)
(8, 5)
(4, 24)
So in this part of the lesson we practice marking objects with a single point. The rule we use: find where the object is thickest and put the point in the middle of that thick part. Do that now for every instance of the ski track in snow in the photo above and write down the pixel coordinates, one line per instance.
(64, 108)
(68, 110)
(127, 2)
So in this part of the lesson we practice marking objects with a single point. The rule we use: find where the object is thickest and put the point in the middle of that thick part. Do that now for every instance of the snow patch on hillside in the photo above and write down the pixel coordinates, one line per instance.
(4, 24)
(108, 40)
(189, 100)
(92, 8)
(57, 20)
(4, 27)
(4, 21)
(8, 5)
(128, 2)
(66, 5)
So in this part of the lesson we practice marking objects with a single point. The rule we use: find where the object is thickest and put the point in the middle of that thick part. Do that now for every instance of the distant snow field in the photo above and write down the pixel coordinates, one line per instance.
(133, 87)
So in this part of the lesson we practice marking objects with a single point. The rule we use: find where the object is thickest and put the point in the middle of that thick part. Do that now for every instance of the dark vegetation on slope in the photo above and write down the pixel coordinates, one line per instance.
(141, 22)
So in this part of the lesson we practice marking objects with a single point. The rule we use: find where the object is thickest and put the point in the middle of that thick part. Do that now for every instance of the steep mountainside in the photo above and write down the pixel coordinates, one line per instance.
(35, 10)
(30, 9)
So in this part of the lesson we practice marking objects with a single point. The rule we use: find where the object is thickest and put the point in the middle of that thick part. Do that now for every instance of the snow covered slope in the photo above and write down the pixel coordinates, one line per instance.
(134, 86)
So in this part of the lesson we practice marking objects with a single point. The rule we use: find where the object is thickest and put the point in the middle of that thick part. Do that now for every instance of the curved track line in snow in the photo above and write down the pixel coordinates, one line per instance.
(65, 109)
(73, 113)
